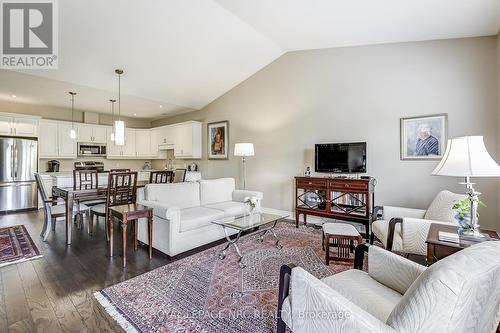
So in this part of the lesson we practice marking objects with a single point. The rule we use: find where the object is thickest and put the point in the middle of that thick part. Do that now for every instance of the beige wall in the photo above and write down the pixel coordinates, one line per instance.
(57, 113)
(359, 94)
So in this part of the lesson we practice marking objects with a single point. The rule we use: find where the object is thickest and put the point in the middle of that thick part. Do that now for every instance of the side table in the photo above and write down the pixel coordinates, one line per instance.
(437, 249)
(125, 213)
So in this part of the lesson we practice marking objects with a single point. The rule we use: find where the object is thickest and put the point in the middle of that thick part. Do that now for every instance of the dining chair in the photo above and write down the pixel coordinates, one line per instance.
(160, 177)
(119, 170)
(87, 180)
(179, 175)
(52, 210)
(122, 188)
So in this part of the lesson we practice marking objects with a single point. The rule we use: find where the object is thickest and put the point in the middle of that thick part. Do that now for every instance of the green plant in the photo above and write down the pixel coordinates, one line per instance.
(463, 207)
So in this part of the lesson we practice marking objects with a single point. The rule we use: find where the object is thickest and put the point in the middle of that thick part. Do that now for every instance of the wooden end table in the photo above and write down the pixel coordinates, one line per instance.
(125, 213)
(437, 249)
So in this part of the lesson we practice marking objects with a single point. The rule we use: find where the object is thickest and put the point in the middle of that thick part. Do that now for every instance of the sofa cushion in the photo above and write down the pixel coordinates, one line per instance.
(216, 190)
(441, 207)
(370, 295)
(198, 217)
(230, 208)
(182, 195)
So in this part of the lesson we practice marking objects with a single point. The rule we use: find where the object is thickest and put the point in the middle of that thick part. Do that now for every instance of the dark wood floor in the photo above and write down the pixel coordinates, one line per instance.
(54, 293)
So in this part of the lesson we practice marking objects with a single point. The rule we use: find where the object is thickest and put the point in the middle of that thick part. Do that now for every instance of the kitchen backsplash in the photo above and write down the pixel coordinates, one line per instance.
(67, 165)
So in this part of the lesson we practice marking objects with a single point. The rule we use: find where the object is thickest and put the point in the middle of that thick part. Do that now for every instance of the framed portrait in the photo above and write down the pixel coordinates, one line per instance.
(218, 140)
(424, 137)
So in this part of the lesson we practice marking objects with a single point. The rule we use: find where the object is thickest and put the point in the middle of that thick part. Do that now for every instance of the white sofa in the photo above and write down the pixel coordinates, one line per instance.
(458, 294)
(183, 212)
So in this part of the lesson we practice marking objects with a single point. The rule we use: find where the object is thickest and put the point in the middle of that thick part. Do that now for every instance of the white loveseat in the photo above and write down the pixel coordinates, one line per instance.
(183, 212)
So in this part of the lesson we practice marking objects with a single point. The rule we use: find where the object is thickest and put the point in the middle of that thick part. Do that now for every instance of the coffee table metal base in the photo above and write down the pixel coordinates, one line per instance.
(233, 242)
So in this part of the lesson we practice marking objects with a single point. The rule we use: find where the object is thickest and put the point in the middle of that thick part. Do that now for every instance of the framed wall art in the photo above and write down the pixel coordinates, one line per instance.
(218, 140)
(424, 137)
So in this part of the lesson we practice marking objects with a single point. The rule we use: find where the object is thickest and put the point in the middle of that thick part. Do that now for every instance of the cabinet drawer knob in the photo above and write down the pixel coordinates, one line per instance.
(310, 183)
(346, 185)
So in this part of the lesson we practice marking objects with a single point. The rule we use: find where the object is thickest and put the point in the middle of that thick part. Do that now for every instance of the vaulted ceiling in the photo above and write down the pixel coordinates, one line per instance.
(183, 54)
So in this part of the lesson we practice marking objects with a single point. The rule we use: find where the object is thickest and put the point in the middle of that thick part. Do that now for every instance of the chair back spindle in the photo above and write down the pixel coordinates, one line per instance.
(160, 177)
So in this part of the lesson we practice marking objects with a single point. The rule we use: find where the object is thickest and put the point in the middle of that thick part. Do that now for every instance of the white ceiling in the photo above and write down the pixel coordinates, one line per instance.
(183, 54)
(315, 24)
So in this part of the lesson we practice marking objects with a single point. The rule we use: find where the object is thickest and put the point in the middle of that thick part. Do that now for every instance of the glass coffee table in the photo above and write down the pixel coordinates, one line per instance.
(245, 223)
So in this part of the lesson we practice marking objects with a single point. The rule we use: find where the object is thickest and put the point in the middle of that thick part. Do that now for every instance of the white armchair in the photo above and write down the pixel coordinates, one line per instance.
(405, 229)
(460, 293)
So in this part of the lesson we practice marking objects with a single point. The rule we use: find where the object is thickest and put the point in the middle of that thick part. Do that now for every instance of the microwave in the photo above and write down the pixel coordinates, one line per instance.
(91, 149)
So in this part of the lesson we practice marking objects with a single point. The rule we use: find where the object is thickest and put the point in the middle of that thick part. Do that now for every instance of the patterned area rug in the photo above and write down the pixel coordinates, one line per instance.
(202, 293)
(16, 245)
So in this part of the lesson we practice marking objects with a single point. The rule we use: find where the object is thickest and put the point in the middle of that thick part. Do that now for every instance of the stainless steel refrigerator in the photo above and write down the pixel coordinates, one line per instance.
(18, 163)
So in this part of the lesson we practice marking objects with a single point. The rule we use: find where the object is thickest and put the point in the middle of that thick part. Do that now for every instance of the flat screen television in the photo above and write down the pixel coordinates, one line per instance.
(340, 157)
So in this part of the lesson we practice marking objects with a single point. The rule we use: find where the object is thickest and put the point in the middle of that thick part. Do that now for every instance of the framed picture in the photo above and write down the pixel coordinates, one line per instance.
(218, 140)
(423, 138)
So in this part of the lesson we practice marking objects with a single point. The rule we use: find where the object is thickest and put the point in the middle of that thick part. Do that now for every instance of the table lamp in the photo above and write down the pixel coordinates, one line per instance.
(244, 150)
(467, 157)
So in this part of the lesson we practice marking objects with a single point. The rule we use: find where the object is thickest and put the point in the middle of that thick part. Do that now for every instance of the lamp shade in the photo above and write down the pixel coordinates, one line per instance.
(119, 131)
(467, 157)
(243, 149)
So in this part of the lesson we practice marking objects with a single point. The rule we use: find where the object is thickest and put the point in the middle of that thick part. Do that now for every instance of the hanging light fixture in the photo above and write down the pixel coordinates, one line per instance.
(72, 132)
(119, 129)
(112, 136)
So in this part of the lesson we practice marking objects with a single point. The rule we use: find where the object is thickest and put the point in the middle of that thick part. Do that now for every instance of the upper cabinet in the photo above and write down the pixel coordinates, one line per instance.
(91, 133)
(129, 150)
(143, 143)
(187, 140)
(18, 126)
(54, 140)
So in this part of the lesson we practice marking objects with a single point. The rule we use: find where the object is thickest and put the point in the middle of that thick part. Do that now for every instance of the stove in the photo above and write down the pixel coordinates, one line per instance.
(89, 165)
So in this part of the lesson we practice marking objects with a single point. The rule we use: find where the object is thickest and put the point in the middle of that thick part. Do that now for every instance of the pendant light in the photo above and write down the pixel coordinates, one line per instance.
(112, 136)
(119, 124)
(72, 132)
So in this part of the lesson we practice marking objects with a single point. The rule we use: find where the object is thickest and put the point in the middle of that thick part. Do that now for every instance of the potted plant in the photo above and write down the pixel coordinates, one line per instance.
(463, 213)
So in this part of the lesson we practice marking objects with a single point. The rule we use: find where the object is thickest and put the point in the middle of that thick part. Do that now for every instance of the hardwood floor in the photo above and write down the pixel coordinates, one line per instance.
(54, 293)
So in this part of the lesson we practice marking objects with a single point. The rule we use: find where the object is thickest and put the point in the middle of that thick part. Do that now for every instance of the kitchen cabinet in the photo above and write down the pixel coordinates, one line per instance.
(18, 126)
(143, 143)
(91, 133)
(54, 140)
(187, 140)
(47, 140)
(67, 147)
(128, 150)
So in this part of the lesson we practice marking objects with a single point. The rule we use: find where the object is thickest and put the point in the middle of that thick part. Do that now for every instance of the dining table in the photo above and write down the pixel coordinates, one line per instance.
(71, 195)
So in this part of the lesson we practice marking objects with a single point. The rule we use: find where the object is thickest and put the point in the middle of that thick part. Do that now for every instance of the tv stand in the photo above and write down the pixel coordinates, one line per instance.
(346, 199)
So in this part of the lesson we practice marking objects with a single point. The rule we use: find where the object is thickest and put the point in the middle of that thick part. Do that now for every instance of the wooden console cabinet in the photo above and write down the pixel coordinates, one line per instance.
(339, 198)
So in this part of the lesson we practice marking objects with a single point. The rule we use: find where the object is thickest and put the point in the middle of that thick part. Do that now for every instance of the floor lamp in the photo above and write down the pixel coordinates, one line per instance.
(467, 157)
(244, 150)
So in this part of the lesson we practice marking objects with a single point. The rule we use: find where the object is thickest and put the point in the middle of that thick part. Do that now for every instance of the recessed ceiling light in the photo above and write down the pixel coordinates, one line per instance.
(14, 96)
(161, 106)
(135, 114)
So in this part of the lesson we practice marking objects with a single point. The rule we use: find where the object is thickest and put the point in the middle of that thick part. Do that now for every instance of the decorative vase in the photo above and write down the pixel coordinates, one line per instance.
(464, 222)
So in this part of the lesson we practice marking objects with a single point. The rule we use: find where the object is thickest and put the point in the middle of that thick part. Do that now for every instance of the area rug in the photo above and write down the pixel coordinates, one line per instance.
(203, 294)
(16, 245)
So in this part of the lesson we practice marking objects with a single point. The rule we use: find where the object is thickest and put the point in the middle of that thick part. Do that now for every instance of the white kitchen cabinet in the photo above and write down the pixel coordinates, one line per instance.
(47, 139)
(54, 140)
(143, 142)
(187, 140)
(25, 127)
(67, 147)
(91, 133)
(18, 126)
(128, 150)
(5, 125)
